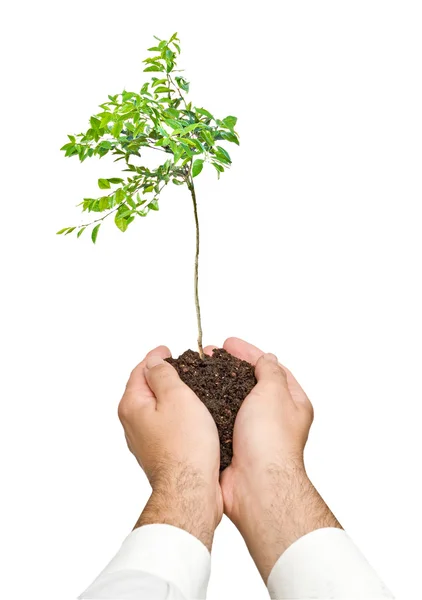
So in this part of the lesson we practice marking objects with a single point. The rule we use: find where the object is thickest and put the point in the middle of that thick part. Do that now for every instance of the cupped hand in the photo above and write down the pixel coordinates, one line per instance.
(271, 427)
(266, 491)
(175, 441)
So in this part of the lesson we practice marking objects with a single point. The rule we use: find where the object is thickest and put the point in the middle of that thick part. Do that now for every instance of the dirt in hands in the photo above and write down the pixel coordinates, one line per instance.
(222, 382)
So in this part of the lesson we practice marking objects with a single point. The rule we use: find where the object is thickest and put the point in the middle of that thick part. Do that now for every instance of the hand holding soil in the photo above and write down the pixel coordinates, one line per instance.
(238, 403)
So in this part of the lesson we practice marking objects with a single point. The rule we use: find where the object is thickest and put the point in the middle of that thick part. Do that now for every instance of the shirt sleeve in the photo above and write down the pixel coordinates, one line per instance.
(325, 564)
(155, 562)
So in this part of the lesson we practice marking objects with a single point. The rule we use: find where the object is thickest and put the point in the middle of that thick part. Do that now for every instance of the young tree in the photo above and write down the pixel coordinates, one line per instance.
(158, 117)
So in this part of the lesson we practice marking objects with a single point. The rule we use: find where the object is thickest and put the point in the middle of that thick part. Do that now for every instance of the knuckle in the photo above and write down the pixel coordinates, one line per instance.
(162, 372)
(124, 410)
(277, 374)
(307, 411)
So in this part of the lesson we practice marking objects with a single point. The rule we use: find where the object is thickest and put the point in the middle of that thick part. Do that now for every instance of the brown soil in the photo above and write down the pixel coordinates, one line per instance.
(222, 382)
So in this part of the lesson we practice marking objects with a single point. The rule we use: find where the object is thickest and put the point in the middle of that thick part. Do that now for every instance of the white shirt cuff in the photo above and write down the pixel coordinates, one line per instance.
(325, 564)
(170, 553)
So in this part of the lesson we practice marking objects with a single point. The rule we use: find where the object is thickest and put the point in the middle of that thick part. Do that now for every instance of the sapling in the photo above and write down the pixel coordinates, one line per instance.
(161, 118)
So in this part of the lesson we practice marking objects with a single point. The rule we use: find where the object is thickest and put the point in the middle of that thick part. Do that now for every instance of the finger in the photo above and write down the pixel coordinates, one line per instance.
(162, 377)
(243, 350)
(137, 381)
(296, 391)
(251, 354)
(271, 377)
(209, 349)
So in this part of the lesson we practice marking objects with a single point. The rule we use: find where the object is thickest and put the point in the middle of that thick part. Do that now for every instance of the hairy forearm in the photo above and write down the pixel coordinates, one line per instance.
(288, 507)
(185, 502)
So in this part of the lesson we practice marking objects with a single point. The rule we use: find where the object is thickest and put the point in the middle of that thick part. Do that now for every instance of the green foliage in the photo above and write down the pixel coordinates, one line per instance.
(197, 167)
(95, 233)
(157, 118)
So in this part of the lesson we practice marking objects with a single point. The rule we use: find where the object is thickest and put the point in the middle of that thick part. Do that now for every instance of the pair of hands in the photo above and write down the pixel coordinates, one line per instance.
(264, 491)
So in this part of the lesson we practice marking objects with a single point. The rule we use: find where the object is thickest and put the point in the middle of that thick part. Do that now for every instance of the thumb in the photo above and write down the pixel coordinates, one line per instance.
(161, 377)
(272, 378)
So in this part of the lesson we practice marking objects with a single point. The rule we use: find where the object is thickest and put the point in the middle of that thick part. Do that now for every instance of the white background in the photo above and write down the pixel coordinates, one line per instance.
(311, 248)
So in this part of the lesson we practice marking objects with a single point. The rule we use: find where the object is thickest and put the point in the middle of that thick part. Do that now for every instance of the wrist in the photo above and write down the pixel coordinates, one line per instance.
(276, 509)
(193, 507)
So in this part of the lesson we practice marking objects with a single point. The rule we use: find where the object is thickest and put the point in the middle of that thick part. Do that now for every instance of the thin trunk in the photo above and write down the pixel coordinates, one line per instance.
(196, 270)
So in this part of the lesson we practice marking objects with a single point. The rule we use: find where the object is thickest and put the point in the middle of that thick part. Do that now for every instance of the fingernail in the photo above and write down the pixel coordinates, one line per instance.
(153, 361)
(271, 357)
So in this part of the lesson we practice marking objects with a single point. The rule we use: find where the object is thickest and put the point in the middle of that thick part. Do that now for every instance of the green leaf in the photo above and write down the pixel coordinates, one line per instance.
(80, 232)
(192, 127)
(221, 152)
(128, 95)
(154, 68)
(199, 146)
(126, 108)
(123, 217)
(72, 138)
(173, 112)
(70, 230)
(104, 203)
(207, 137)
(197, 167)
(94, 233)
(182, 83)
(205, 113)
(173, 37)
(218, 167)
(121, 223)
(188, 141)
(174, 124)
(115, 180)
(230, 122)
(153, 205)
(184, 130)
(117, 129)
(95, 123)
(154, 60)
(229, 136)
(62, 230)
(87, 203)
(162, 89)
(163, 142)
(158, 81)
(150, 188)
(186, 149)
(178, 152)
(119, 195)
(104, 184)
